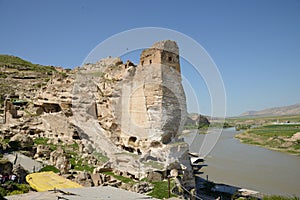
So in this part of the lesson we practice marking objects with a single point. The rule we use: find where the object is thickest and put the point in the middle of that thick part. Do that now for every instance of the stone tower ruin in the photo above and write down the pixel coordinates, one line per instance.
(154, 99)
(164, 52)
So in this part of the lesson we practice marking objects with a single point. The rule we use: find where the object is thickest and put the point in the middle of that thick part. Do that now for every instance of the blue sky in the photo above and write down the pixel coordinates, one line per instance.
(255, 44)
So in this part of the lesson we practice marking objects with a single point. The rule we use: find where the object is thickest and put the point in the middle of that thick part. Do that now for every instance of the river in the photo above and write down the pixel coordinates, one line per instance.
(248, 166)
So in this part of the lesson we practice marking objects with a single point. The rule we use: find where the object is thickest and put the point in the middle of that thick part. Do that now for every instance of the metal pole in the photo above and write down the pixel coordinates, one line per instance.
(169, 186)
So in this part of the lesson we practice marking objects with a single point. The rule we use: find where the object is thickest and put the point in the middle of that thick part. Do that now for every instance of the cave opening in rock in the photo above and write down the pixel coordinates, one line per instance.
(76, 136)
(139, 152)
(166, 138)
(129, 149)
(132, 140)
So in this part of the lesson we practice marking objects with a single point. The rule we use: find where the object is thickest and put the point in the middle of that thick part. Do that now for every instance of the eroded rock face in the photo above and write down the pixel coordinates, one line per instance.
(56, 96)
(59, 159)
(140, 109)
(131, 113)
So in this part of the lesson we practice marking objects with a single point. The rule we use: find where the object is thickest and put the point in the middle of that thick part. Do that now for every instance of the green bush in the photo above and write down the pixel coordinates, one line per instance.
(14, 192)
(41, 140)
(49, 168)
(11, 188)
(2, 192)
(277, 197)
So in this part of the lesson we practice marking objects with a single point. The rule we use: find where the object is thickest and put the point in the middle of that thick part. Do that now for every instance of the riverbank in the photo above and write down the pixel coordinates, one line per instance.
(279, 137)
(248, 166)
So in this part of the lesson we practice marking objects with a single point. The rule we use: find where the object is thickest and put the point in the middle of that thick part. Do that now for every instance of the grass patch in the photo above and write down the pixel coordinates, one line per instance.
(120, 178)
(274, 130)
(44, 141)
(277, 197)
(160, 189)
(273, 136)
(261, 119)
(79, 165)
(40, 141)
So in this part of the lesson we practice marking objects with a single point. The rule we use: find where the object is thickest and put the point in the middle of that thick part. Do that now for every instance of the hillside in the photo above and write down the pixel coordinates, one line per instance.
(112, 121)
(276, 111)
(21, 77)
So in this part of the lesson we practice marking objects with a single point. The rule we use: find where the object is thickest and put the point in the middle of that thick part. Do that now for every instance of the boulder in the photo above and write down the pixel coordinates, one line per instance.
(59, 159)
(20, 172)
(84, 179)
(155, 176)
(96, 178)
(5, 166)
(174, 173)
(42, 151)
(142, 187)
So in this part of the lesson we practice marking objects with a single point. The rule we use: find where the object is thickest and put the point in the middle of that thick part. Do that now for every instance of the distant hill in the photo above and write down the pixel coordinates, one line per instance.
(276, 111)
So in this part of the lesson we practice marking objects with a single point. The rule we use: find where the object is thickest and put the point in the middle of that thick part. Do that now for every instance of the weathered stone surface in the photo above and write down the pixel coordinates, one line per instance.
(59, 159)
(5, 166)
(155, 176)
(20, 172)
(96, 179)
(142, 187)
(141, 109)
(196, 120)
(84, 179)
(133, 114)
(106, 167)
(42, 151)
(174, 173)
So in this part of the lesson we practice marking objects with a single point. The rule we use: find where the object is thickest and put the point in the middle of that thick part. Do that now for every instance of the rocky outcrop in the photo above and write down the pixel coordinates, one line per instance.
(142, 187)
(42, 151)
(59, 159)
(84, 179)
(56, 96)
(5, 166)
(20, 172)
(196, 120)
(140, 109)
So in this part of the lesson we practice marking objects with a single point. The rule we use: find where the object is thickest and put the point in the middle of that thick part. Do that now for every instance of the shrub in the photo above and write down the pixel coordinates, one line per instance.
(50, 168)
(2, 192)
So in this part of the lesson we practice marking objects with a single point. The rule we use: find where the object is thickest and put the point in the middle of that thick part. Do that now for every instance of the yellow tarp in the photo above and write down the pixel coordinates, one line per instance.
(44, 181)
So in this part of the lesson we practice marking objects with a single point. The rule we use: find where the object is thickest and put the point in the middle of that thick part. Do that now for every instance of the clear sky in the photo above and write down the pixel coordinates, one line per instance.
(254, 43)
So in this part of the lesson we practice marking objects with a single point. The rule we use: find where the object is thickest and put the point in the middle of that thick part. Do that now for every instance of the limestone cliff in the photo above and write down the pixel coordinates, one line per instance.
(141, 109)
(131, 113)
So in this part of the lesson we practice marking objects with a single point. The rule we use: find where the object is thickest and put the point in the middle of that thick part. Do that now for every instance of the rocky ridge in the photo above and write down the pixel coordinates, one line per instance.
(131, 114)
(276, 111)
